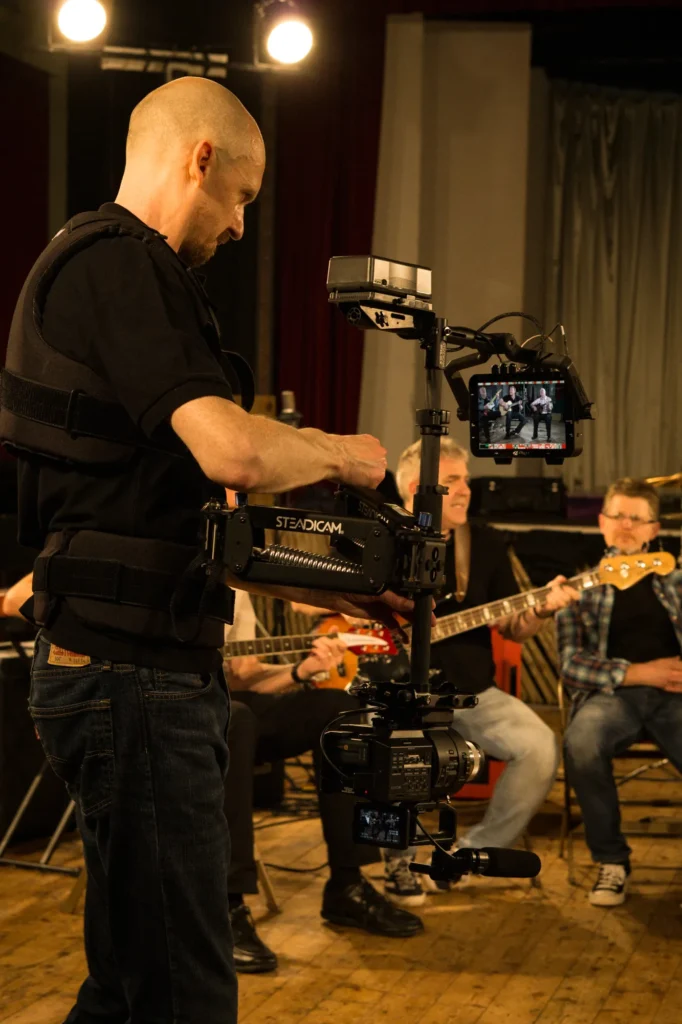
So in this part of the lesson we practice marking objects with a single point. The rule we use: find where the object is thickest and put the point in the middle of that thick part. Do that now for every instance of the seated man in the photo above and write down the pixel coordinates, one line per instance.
(487, 411)
(620, 662)
(274, 715)
(501, 724)
(511, 406)
(542, 410)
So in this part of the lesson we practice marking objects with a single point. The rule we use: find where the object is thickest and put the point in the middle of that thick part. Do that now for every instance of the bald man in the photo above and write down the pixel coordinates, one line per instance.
(117, 404)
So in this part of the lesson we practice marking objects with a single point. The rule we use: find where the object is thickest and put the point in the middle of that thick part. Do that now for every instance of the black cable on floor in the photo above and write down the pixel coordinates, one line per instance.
(297, 871)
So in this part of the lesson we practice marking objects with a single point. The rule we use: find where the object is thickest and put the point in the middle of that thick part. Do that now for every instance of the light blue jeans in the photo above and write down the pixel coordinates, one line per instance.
(506, 728)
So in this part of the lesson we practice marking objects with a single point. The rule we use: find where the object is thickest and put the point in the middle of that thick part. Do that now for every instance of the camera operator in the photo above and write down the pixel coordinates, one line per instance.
(120, 412)
(277, 713)
(502, 725)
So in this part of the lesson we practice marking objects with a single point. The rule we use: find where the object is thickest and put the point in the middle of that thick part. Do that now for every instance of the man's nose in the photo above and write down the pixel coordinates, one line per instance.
(236, 227)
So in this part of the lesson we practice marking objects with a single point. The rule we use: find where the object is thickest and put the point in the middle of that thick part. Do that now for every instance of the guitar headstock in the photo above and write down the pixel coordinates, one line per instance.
(624, 571)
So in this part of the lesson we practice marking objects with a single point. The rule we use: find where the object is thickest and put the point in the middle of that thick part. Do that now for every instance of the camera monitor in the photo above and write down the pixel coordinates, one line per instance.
(521, 416)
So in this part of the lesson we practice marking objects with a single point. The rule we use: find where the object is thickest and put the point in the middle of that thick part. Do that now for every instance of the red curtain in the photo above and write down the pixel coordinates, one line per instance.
(326, 163)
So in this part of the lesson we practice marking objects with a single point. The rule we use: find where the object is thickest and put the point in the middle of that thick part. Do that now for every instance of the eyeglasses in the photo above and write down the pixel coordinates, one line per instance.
(635, 520)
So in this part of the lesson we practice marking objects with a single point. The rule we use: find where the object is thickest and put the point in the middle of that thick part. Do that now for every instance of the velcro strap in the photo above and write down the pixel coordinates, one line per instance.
(110, 580)
(72, 411)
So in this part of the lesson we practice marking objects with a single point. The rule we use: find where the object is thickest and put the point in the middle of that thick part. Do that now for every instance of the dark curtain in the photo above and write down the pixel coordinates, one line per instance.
(24, 175)
(328, 122)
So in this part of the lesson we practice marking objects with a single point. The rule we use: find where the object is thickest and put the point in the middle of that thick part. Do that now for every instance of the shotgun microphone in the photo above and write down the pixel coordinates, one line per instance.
(493, 861)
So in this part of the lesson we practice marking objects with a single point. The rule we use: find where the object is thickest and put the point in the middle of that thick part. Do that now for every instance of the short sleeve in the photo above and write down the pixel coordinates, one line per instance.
(115, 308)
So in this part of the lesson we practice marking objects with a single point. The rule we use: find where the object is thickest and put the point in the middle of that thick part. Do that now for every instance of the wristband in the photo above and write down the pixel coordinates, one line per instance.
(305, 683)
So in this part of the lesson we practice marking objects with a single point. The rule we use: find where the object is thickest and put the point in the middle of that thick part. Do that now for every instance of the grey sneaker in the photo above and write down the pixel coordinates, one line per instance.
(611, 886)
(401, 885)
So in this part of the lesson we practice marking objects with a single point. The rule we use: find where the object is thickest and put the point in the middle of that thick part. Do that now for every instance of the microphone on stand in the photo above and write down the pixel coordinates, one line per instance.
(493, 861)
(289, 413)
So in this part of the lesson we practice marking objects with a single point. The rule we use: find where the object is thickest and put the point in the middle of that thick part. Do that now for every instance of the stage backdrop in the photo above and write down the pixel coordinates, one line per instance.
(615, 273)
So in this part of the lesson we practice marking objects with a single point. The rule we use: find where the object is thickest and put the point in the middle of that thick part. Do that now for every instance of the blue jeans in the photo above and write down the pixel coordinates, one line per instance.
(603, 727)
(143, 753)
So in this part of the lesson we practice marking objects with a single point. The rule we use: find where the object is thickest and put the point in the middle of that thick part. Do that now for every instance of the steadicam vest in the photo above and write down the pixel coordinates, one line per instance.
(59, 408)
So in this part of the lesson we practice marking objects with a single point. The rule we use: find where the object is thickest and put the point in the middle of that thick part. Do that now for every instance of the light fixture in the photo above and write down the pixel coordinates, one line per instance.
(282, 31)
(80, 21)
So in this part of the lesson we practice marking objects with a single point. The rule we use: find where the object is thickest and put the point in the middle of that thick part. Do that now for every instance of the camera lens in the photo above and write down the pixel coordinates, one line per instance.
(474, 759)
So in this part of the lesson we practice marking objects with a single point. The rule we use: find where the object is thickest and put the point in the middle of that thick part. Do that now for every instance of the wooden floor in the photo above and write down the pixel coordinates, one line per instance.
(493, 951)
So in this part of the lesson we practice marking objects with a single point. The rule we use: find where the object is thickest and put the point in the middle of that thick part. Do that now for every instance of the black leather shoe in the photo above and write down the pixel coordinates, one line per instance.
(360, 906)
(251, 955)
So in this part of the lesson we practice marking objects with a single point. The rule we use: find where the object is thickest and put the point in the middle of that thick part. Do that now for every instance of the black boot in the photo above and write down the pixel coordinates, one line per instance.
(360, 906)
(251, 955)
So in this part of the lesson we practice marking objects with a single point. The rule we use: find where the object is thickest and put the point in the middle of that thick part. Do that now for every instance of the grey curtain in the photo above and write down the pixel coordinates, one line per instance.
(615, 273)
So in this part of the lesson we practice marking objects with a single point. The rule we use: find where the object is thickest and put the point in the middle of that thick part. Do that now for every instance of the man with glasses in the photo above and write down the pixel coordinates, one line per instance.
(620, 662)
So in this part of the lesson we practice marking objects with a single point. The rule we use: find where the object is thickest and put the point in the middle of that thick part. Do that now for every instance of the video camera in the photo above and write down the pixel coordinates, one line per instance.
(408, 757)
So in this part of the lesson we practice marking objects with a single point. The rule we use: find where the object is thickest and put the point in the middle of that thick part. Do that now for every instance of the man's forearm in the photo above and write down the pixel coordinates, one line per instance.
(522, 626)
(289, 458)
(254, 453)
(265, 679)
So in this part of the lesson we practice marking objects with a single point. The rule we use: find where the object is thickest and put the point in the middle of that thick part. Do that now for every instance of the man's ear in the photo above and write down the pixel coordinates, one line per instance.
(202, 155)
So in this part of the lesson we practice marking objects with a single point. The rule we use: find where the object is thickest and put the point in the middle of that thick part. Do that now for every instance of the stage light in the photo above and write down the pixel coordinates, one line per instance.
(289, 41)
(284, 33)
(81, 21)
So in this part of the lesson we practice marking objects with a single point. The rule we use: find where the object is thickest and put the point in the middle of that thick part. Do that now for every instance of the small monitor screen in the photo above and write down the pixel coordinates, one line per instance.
(381, 826)
(522, 416)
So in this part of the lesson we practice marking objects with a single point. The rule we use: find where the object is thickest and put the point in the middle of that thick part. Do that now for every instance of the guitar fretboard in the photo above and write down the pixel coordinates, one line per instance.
(489, 614)
(269, 645)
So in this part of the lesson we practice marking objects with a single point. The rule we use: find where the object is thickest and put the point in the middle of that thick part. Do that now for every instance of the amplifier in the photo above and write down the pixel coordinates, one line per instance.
(509, 497)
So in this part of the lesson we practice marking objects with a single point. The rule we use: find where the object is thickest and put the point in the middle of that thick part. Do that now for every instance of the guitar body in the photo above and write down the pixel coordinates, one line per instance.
(345, 672)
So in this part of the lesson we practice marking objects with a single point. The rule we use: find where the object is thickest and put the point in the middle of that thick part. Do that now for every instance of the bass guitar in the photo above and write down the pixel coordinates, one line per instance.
(621, 571)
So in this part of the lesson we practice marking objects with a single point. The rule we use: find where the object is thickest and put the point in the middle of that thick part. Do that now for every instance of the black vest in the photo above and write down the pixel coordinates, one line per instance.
(59, 408)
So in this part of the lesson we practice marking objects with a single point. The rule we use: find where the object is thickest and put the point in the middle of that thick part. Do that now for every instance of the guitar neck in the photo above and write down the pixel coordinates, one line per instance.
(265, 645)
(490, 614)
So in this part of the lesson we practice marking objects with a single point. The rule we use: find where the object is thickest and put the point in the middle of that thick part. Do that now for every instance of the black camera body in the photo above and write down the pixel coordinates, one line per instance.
(409, 756)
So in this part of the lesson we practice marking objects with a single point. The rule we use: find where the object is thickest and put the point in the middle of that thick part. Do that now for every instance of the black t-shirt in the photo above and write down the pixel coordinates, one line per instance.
(640, 628)
(467, 659)
(114, 308)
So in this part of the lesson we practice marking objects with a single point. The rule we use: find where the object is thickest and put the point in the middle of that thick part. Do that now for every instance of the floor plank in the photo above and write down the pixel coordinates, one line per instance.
(494, 951)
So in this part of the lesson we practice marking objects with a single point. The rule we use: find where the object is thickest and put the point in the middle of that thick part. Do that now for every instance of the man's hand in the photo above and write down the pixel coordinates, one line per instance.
(327, 652)
(559, 596)
(363, 459)
(663, 673)
(389, 608)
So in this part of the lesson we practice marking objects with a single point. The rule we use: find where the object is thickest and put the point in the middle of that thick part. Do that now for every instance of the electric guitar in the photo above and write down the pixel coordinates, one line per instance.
(262, 646)
(489, 405)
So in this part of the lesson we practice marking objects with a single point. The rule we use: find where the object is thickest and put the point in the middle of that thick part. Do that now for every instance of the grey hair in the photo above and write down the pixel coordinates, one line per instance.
(410, 461)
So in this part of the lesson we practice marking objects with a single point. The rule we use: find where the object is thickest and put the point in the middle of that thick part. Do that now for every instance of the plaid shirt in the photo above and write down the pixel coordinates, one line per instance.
(583, 637)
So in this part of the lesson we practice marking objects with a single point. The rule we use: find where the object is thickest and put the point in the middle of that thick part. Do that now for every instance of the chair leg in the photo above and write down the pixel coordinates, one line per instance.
(266, 885)
(535, 883)
(70, 904)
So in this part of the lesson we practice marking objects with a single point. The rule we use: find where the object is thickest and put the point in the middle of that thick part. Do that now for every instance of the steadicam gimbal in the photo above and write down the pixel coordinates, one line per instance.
(408, 757)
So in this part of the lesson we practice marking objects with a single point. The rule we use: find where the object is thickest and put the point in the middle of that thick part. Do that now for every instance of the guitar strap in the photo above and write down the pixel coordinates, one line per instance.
(462, 560)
